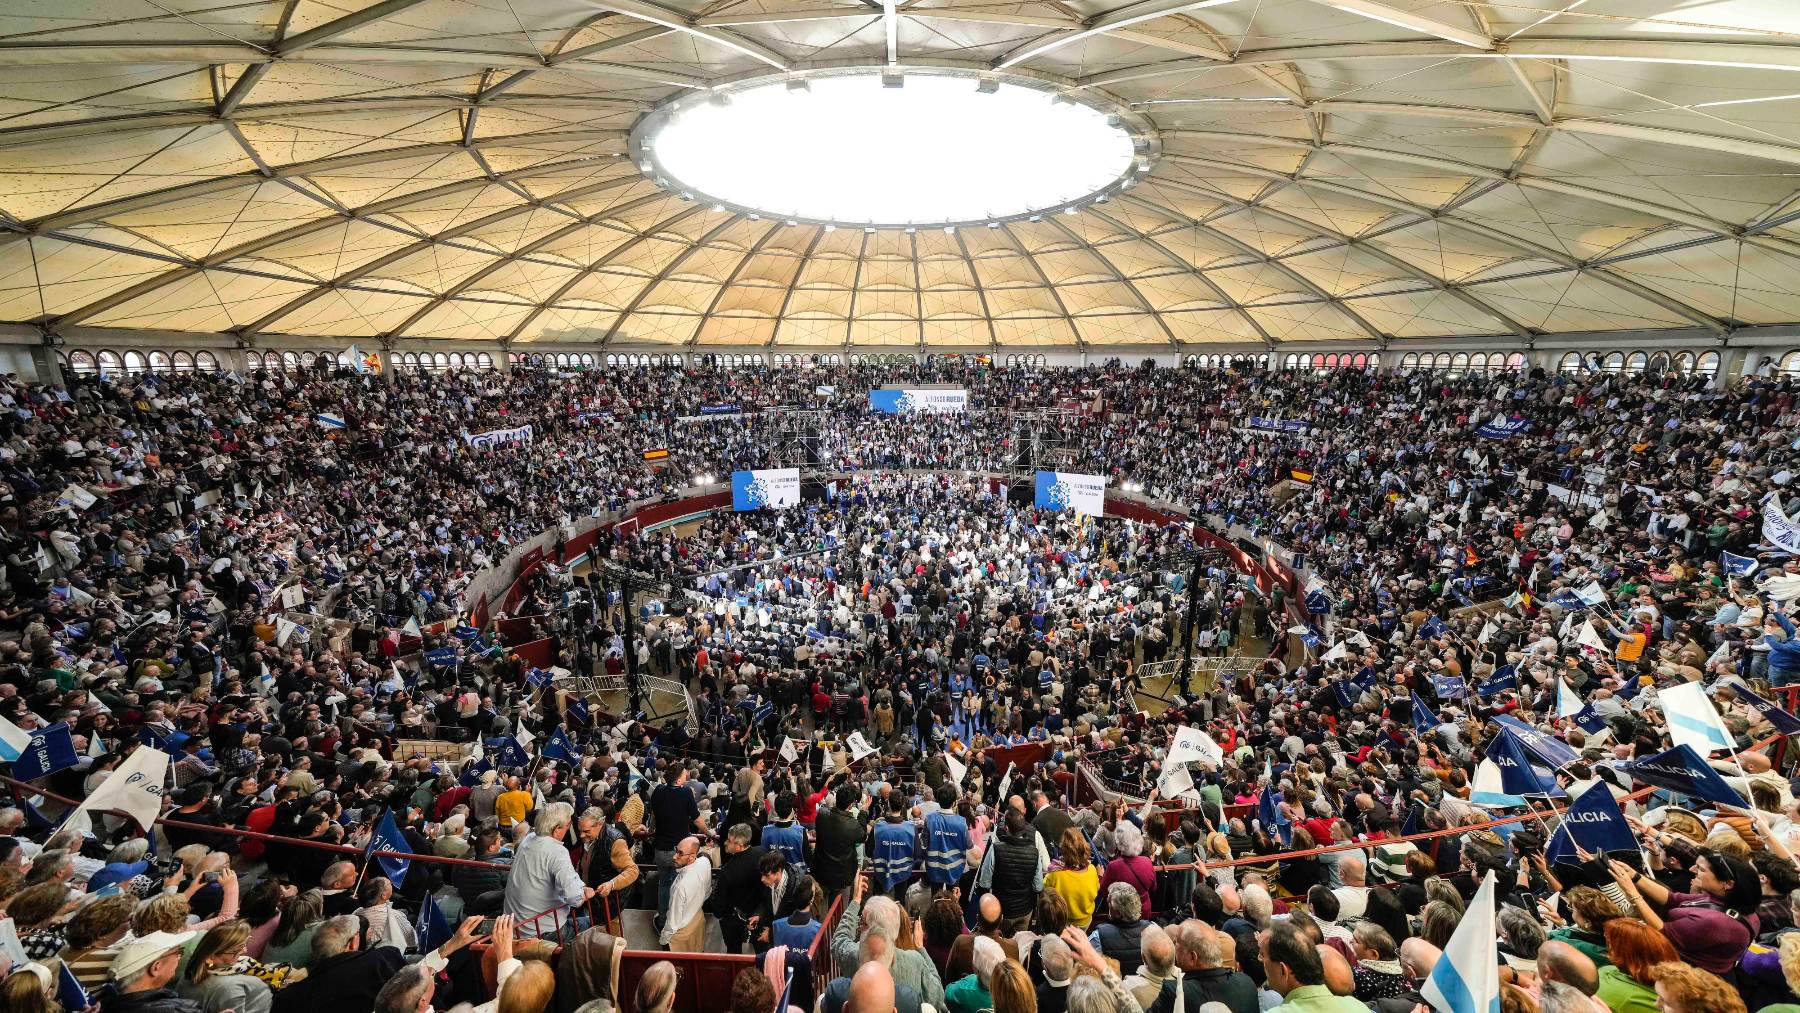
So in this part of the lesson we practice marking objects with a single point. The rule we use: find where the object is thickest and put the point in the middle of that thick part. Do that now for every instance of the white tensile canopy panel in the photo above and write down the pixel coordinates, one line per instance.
(1328, 169)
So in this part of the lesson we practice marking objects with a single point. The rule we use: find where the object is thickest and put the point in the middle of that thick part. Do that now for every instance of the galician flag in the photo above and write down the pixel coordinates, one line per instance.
(1467, 978)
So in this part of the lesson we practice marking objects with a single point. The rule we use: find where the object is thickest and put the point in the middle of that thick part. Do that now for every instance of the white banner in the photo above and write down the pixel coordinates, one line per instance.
(1778, 528)
(859, 747)
(1193, 744)
(135, 788)
(293, 596)
(1068, 490)
(495, 437)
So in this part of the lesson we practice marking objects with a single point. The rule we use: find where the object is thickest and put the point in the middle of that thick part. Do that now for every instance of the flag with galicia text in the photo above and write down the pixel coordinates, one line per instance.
(384, 842)
(1594, 824)
(50, 750)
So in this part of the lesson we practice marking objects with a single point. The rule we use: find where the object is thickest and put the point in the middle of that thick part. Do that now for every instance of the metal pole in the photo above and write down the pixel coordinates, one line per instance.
(1187, 631)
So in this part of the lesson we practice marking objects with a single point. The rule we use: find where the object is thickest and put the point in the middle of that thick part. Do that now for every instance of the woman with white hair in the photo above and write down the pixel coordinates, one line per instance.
(452, 841)
(1129, 864)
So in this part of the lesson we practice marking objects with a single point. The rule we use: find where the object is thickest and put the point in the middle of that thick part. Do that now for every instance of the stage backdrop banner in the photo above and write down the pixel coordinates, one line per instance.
(772, 487)
(1068, 490)
(901, 400)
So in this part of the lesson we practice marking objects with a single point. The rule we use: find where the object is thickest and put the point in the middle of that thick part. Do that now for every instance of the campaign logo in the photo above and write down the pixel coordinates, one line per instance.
(756, 492)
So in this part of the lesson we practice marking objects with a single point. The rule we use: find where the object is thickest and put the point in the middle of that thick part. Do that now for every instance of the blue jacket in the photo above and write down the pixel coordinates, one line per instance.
(896, 852)
(1784, 655)
(787, 840)
(946, 844)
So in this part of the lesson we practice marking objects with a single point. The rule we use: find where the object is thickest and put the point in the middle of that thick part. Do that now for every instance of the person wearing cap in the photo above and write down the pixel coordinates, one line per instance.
(142, 973)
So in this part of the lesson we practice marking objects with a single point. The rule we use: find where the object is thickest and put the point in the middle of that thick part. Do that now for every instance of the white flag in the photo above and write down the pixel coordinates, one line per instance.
(1486, 634)
(411, 628)
(135, 788)
(1174, 781)
(1005, 782)
(859, 747)
(1587, 638)
(788, 752)
(958, 771)
(524, 734)
(1692, 719)
(1567, 703)
(283, 630)
(1466, 979)
(1337, 652)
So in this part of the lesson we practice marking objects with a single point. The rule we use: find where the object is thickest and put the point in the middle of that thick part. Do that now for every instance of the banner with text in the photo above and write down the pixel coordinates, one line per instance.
(772, 487)
(1068, 490)
(901, 400)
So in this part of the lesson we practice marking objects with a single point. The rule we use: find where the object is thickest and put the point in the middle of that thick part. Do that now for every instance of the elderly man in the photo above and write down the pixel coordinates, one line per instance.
(386, 923)
(911, 969)
(345, 975)
(1204, 975)
(143, 970)
(1121, 935)
(1158, 952)
(685, 929)
(543, 880)
(1353, 896)
(339, 886)
(877, 951)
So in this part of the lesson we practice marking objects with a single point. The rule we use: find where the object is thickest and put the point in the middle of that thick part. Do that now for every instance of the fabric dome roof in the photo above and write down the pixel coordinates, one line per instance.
(1328, 169)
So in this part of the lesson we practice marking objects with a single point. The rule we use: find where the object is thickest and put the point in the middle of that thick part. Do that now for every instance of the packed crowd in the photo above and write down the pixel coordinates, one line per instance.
(906, 693)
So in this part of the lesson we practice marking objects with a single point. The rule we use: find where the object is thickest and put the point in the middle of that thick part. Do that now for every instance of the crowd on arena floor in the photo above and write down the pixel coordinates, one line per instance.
(1524, 592)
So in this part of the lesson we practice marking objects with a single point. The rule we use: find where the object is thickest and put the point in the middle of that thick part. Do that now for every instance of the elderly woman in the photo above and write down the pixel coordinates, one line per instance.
(1130, 866)
(656, 989)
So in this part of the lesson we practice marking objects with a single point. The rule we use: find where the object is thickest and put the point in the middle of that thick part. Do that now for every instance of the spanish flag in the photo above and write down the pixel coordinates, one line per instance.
(1469, 556)
(656, 454)
(1301, 476)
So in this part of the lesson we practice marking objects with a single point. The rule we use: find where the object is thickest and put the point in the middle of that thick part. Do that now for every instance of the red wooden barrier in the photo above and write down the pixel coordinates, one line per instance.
(538, 653)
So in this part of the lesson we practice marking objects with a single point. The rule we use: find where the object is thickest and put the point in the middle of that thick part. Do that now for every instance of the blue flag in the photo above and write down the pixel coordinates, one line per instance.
(1414, 820)
(512, 754)
(1683, 771)
(386, 839)
(1554, 752)
(578, 710)
(1737, 566)
(1317, 600)
(1348, 692)
(1502, 427)
(1517, 776)
(1504, 678)
(1593, 822)
(1449, 687)
(1588, 719)
(432, 928)
(50, 750)
(1269, 813)
(69, 992)
(472, 776)
(1431, 629)
(537, 678)
(168, 742)
(1785, 723)
(558, 747)
(1422, 717)
(441, 657)
(1568, 600)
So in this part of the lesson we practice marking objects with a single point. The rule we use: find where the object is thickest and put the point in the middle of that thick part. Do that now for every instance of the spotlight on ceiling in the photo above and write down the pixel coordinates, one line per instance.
(987, 85)
(798, 84)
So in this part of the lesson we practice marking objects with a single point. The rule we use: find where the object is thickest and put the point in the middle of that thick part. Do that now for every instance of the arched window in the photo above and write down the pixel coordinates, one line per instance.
(1637, 362)
(1290, 361)
(1790, 364)
(1516, 361)
(439, 362)
(110, 362)
(485, 361)
(1478, 363)
(1614, 362)
(1459, 364)
(160, 362)
(1571, 363)
(1707, 365)
(135, 362)
(1374, 361)
(1409, 362)
(181, 362)
(82, 363)
(1659, 363)
(206, 362)
(1684, 363)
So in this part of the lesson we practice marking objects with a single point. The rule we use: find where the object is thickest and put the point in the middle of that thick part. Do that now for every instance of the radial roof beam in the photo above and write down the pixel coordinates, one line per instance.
(681, 23)
(1124, 17)
(220, 184)
(1548, 184)
(1489, 233)
(348, 23)
(890, 26)
(1410, 21)
(1474, 302)
(395, 256)
(532, 247)
(1044, 280)
(1119, 278)
(323, 222)
(1224, 297)
(668, 270)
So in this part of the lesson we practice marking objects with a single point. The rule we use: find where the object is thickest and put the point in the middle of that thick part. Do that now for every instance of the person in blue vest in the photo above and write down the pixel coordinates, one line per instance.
(896, 853)
(959, 689)
(946, 841)
(783, 835)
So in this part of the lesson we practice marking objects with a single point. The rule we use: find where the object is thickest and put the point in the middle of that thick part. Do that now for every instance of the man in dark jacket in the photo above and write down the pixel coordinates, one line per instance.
(1121, 935)
(1018, 871)
(342, 975)
(739, 895)
(1205, 978)
(838, 831)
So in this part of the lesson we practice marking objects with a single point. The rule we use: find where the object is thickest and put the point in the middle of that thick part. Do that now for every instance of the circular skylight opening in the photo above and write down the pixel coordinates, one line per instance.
(864, 149)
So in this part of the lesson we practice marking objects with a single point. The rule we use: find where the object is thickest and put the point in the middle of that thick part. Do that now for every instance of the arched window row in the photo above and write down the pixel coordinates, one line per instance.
(438, 362)
(1320, 362)
(1026, 362)
(730, 360)
(87, 362)
(881, 359)
(814, 359)
(1227, 361)
(1463, 363)
(1704, 364)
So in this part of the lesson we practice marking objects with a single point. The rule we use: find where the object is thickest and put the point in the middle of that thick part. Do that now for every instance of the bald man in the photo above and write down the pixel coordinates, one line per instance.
(1559, 961)
(1340, 977)
(871, 990)
(989, 922)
